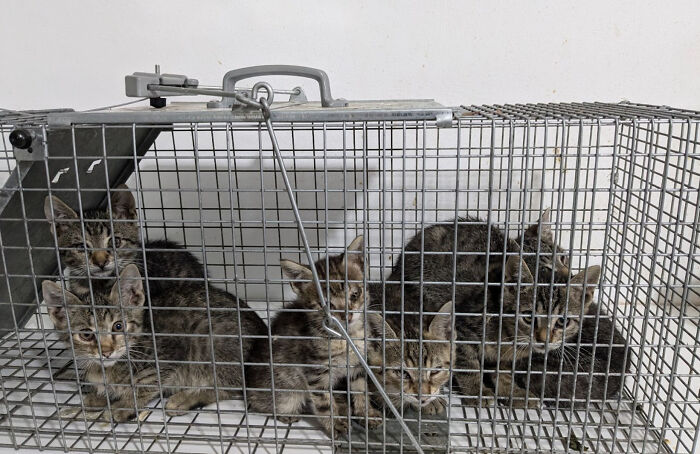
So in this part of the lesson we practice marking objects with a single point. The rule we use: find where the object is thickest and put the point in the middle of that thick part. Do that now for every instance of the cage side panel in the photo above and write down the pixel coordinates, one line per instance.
(654, 234)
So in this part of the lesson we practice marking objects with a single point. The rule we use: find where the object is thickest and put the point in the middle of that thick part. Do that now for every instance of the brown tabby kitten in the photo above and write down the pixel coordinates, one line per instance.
(602, 357)
(110, 358)
(308, 362)
(477, 281)
(111, 250)
(419, 380)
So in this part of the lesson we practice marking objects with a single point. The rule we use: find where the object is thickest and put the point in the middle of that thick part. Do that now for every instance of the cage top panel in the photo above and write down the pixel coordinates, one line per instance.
(403, 110)
(624, 111)
(284, 112)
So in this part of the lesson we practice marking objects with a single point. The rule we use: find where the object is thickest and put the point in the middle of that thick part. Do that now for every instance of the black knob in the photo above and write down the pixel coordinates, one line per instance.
(21, 138)
(158, 103)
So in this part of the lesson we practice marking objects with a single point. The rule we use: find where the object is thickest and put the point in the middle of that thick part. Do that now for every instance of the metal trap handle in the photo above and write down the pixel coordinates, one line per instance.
(320, 76)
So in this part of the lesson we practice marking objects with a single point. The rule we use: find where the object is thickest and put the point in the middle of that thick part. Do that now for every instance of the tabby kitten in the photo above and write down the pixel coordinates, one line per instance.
(114, 340)
(308, 362)
(601, 369)
(111, 250)
(477, 279)
(418, 381)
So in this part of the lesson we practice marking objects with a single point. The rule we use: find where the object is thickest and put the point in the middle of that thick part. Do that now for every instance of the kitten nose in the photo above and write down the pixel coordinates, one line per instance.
(99, 258)
(542, 335)
(107, 348)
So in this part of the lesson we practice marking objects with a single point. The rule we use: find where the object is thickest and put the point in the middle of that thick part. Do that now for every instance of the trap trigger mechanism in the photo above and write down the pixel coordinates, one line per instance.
(155, 85)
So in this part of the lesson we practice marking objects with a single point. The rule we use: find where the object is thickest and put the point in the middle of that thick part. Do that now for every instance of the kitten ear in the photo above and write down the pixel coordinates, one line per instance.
(590, 276)
(60, 211)
(390, 333)
(296, 271)
(123, 203)
(543, 229)
(356, 251)
(441, 325)
(129, 286)
(515, 265)
(53, 298)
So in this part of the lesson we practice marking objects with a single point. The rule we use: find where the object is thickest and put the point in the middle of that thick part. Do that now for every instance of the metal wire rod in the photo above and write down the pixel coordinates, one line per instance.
(339, 329)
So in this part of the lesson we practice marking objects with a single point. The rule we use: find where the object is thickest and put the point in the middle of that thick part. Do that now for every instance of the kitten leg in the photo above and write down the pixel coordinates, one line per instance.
(287, 401)
(124, 408)
(362, 403)
(470, 385)
(93, 406)
(184, 401)
(323, 406)
(506, 383)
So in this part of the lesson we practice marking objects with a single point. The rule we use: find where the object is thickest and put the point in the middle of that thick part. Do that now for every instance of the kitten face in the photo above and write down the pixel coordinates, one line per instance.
(99, 258)
(426, 368)
(91, 326)
(350, 295)
(564, 306)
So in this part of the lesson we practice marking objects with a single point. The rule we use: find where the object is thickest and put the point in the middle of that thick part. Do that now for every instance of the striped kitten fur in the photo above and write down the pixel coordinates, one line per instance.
(109, 359)
(308, 362)
(478, 336)
(111, 249)
(594, 370)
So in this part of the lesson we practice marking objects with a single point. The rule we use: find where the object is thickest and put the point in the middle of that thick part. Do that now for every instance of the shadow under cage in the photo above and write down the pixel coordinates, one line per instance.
(511, 277)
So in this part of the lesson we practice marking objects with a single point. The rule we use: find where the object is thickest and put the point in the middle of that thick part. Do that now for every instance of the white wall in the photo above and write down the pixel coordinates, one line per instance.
(75, 53)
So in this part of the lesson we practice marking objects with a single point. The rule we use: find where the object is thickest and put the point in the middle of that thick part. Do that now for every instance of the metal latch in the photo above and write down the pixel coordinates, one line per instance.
(145, 85)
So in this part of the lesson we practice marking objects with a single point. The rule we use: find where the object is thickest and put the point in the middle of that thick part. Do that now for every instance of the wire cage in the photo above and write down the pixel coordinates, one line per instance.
(243, 185)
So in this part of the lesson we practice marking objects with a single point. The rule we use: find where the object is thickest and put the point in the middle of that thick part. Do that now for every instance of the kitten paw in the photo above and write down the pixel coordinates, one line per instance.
(518, 401)
(182, 402)
(288, 419)
(340, 427)
(69, 412)
(436, 407)
(374, 418)
(120, 415)
(176, 407)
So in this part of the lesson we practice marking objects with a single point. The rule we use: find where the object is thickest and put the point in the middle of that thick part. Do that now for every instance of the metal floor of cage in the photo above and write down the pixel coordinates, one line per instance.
(33, 399)
(36, 423)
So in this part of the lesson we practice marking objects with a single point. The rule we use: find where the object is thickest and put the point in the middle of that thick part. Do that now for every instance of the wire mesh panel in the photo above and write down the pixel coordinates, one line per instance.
(524, 280)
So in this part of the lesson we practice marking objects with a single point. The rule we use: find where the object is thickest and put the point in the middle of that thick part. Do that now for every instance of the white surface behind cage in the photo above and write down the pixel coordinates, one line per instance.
(75, 54)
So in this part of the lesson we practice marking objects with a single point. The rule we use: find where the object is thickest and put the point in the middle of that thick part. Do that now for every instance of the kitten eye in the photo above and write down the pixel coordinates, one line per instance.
(527, 319)
(435, 372)
(118, 326)
(86, 336)
(406, 375)
(560, 322)
(117, 242)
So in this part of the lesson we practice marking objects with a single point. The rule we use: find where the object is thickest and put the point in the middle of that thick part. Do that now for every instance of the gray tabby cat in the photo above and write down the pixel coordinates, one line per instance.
(114, 341)
(596, 368)
(308, 362)
(110, 250)
(504, 335)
